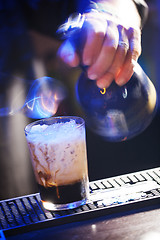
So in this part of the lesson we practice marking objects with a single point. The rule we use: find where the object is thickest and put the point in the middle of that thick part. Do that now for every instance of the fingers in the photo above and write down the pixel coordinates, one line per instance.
(117, 62)
(109, 50)
(134, 51)
(134, 36)
(122, 65)
(96, 31)
(106, 55)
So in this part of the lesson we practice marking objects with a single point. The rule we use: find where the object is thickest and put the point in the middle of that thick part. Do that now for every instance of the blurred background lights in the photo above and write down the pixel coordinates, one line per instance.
(42, 100)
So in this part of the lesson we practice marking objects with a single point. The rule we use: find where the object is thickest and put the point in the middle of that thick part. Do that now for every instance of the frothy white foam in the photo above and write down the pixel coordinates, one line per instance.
(54, 133)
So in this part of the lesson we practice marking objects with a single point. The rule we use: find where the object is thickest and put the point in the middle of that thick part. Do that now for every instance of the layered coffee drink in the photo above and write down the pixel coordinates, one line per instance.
(58, 152)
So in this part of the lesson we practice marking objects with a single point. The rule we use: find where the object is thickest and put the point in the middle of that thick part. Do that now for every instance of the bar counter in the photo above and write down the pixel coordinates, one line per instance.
(133, 225)
(122, 207)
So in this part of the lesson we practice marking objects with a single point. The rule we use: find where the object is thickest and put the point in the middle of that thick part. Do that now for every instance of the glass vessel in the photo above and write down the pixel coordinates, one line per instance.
(58, 152)
(118, 113)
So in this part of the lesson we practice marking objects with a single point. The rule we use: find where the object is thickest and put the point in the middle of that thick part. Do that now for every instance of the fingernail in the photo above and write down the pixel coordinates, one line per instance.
(120, 81)
(103, 84)
(92, 76)
(87, 62)
(100, 85)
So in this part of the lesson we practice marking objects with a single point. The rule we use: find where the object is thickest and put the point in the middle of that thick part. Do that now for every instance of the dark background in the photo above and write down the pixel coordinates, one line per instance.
(28, 48)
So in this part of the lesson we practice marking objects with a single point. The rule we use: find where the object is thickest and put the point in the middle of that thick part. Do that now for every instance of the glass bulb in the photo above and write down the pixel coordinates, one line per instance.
(118, 113)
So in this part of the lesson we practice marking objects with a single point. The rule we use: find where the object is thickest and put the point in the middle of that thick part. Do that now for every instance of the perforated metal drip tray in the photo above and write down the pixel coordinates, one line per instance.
(107, 196)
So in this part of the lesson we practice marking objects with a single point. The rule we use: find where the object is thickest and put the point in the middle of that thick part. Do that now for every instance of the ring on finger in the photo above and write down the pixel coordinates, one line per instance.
(123, 44)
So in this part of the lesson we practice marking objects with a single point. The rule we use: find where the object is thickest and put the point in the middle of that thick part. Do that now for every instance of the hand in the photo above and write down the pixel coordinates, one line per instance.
(108, 51)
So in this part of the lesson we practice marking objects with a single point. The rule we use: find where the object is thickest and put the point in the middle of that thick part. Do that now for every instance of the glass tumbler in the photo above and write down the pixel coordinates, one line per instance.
(58, 152)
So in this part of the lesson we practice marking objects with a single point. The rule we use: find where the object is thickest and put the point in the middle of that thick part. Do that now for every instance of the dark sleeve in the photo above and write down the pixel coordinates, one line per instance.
(142, 8)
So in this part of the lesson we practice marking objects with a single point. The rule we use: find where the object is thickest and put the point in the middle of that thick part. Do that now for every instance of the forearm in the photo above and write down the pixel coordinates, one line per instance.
(124, 9)
(132, 12)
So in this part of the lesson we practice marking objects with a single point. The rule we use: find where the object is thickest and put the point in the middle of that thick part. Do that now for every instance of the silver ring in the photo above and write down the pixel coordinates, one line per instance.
(123, 44)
